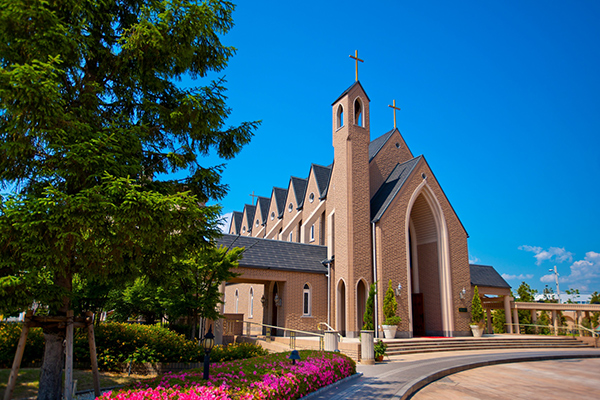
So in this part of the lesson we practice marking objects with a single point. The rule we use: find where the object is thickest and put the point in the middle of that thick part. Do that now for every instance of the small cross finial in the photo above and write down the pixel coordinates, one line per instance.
(395, 108)
(356, 59)
(253, 196)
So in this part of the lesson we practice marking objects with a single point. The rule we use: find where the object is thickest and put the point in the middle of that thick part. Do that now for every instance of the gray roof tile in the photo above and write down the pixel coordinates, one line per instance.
(390, 188)
(377, 144)
(486, 275)
(322, 176)
(265, 203)
(236, 219)
(280, 195)
(299, 186)
(277, 254)
(250, 211)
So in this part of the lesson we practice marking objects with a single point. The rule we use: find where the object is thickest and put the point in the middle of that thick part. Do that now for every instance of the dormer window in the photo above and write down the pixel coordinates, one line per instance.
(311, 197)
(290, 207)
(244, 230)
(257, 223)
(272, 216)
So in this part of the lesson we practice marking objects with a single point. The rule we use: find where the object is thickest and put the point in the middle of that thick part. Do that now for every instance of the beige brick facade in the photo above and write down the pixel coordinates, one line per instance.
(419, 240)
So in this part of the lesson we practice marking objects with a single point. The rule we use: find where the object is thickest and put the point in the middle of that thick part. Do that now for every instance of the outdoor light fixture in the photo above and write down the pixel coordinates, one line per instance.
(462, 293)
(208, 343)
(263, 300)
(398, 289)
(294, 356)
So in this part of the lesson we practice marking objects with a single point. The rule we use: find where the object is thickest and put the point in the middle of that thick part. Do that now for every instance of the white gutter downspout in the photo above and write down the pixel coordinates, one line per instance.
(375, 281)
(328, 262)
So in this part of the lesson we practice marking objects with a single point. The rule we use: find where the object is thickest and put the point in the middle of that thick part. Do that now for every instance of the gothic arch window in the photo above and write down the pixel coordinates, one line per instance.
(251, 302)
(340, 116)
(358, 112)
(237, 300)
(306, 300)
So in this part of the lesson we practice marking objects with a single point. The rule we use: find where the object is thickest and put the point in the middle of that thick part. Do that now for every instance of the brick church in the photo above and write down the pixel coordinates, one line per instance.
(376, 214)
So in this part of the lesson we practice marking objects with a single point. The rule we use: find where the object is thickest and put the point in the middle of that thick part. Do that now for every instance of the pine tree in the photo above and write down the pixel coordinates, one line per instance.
(390, 306)
(477, 314)
(369, 317)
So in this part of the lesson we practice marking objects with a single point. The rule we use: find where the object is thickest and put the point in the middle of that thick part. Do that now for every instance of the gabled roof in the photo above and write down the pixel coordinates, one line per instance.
(486, 275)
(250, 210)
(299, 188)
(277, 254)
(390, 188)
(322, 176)
(264, 203)
(357, 83)
(280, 195)
(236, 219)
(377, 144)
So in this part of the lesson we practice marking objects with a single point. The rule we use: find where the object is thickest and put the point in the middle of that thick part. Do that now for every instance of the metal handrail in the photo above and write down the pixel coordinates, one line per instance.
(595, 334)
(280, 328)
(330, 328)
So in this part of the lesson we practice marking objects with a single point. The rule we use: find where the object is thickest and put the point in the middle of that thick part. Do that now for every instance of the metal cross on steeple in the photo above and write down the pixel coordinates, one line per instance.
(253, 196)
(356, 59)
(395, 108)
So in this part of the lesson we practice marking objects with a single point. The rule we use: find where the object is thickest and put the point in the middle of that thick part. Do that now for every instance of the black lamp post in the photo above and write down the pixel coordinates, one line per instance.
(294, 356)
(208, 343)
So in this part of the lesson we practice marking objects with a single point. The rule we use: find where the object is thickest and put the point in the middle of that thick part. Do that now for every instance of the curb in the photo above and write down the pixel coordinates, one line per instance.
(324, 388)
(412, 387)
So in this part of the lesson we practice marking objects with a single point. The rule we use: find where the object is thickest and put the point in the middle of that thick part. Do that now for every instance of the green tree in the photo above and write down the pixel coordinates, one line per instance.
(369, 317)
(499, 321)
(477, 314)
(574, 293)
(595, 298)
(527, 295)
(91, 121)
(390, 306)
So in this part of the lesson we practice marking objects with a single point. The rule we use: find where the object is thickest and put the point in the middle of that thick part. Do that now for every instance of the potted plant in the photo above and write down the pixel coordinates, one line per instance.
(391, 320)
(379, 348)
(477, 314)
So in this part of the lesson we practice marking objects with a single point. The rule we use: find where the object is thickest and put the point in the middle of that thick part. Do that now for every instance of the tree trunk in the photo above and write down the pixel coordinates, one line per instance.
(54, 359)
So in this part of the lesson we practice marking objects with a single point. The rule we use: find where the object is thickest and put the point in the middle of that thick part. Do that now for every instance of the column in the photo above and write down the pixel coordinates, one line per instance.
(579, 323)
(534, 320)
(367, 352)
(555, 322)
(488, 313)
(516, 319)
(509, 327)
(331, 340)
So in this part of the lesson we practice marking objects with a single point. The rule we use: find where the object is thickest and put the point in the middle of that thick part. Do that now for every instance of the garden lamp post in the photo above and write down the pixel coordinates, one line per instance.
(208, 343)
(294, 356)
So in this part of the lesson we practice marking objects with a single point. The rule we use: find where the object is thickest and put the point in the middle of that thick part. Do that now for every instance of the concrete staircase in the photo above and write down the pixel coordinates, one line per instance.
(495, 342)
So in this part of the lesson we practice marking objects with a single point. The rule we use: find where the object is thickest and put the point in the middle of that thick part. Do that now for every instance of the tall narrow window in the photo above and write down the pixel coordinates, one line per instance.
(306, 300)
(251, 302)
(312, 233)
(291, 236)
(237, 300)
(340, 116)
(358, 117)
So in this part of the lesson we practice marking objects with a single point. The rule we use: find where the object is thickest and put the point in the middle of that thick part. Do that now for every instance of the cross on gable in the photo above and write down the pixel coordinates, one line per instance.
(253, 196)
(356, 59)
(395, 108)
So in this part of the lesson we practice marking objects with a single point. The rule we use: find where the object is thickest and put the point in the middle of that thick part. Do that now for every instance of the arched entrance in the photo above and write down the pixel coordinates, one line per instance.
(361, 300)
(341, 308)
(428, 269)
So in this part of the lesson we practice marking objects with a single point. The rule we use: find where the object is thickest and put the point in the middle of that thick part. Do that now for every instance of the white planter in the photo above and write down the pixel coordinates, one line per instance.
(477, 330)
(390, 331)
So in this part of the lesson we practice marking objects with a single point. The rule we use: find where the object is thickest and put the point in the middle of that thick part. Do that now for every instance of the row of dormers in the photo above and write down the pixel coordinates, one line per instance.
(280, 216)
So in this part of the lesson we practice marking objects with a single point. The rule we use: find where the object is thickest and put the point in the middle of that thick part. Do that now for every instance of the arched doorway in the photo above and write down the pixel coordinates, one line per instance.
(361, 300)
(425, 268)
(341, 308)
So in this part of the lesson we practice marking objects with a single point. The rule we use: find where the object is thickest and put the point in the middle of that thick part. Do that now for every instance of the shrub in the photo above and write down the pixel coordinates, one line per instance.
(119, 343)
(369, 317)
(390, 305)
(477, 314)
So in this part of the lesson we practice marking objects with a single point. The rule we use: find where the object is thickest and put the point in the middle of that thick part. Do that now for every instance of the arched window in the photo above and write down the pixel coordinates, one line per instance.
(358, 117)
(306, 306)
(340, 116)
(237, 300)
(251, 302)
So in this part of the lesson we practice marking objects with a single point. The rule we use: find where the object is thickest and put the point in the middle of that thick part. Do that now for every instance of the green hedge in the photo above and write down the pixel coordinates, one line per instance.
(119, 343)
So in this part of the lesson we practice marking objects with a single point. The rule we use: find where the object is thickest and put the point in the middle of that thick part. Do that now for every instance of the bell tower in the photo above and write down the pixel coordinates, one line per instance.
(349, 193)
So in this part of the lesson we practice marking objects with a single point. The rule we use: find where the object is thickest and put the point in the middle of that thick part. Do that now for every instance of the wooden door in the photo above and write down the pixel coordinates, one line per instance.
(418, 315)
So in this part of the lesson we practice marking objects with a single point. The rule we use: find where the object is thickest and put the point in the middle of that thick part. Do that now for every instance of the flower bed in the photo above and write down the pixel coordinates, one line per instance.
(269, 377)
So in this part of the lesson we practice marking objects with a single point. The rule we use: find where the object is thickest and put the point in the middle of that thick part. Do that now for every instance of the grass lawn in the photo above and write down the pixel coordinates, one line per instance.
(28, 381)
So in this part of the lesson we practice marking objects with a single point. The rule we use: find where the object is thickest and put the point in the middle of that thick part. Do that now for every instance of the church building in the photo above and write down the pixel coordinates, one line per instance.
(376, 214)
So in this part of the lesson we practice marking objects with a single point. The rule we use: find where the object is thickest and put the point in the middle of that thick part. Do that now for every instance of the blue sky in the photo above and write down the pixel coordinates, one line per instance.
(502, 98)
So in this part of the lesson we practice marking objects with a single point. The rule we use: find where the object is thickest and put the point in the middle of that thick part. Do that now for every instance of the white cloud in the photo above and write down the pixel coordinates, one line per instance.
(521, 277)
(224, 222)
(582, 273)
(558, 254)
(473, 259)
